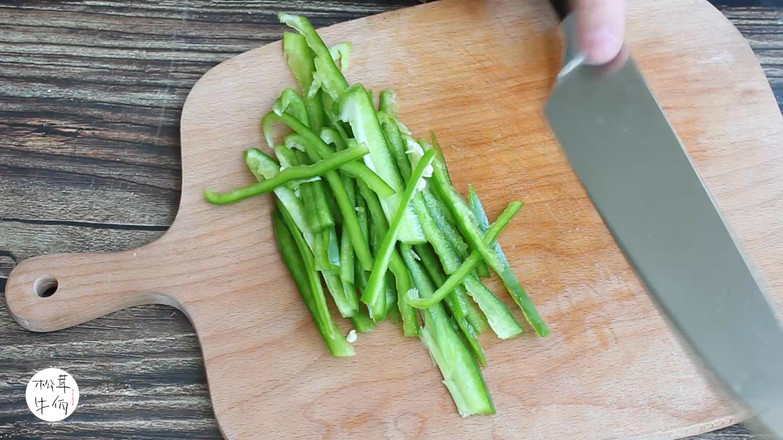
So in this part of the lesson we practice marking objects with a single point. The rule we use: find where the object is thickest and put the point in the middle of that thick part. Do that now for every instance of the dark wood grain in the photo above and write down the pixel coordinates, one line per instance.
(90, 98)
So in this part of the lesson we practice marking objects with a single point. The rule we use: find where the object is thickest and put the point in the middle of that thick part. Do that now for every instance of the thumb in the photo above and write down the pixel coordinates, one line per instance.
(601, 25)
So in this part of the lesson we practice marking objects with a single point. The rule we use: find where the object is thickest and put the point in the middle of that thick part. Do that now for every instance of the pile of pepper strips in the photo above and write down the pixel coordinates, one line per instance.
(370, 212)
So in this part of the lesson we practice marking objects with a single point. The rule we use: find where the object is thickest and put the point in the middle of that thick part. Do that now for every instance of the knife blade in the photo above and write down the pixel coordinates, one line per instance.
(644, 185)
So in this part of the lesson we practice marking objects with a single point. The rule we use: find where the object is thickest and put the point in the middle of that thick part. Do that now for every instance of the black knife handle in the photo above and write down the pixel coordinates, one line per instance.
(562, 7)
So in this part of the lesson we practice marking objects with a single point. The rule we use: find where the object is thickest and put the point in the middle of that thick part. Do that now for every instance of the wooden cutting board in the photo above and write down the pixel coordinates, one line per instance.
(478, 74)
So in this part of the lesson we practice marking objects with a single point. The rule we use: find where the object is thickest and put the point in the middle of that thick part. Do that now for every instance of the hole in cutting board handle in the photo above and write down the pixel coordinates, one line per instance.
(45, 286)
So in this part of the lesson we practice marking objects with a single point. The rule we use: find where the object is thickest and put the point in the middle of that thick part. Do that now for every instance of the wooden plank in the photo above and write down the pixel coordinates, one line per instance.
(142, 365)
(736, 432)
(45, 187)
(761, 26)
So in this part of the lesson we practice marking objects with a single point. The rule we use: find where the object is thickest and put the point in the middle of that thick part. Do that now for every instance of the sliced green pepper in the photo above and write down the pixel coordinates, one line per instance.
(410, 320)
(301, 172)
(337, 344)
(355, 168)
(356, 108)
(461, 374)
(327, 74)
(457, 306)
(317, 212)
(346, 207)
(372, 292)
(478, 210)
(265, 167)
(389, 104)
(500, 319)
(470, 264)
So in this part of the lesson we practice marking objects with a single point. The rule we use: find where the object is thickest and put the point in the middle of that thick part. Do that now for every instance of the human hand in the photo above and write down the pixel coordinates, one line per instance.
(601, 25)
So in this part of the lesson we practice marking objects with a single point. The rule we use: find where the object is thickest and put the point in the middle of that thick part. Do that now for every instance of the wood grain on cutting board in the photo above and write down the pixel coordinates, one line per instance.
(478, 74)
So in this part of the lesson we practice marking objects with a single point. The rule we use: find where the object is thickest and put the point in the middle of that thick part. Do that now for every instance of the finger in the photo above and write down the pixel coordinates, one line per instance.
(601, 25)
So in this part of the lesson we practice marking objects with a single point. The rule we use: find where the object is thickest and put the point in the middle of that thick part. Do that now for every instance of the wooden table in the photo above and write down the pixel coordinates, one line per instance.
(90, 98)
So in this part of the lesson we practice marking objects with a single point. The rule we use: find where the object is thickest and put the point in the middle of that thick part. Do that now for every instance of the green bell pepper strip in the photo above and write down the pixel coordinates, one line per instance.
(321, 252)
(460, 299)
(293, 261)
(394, 313)
(458, 303)
(332, 111)
(347, 270)
(397, 147)
(323, 204)
(478, 210)
(357, 110)
(471, 229)
(378, 310)
(341, 53)
(325, 247)
(437, 209)
(518, 294)
(290, 102)
(483, 270)
(345, 206)
(300, 60)
(391, 296)
(314, 192)
(448, 257)
(456, 306)
(326, 325)
(326, 71)
(447, 229)
(500, 319)
(316, 219)
(466, 221)
(396, 281)
(461, 373)
(510, 280)
(317, 212)
(265, 167)
(363, 217)
(301, 172)
(372, 292)
(389, 104)
(445, 220)
(315, 208)
(347, 255)
(410, 320)
(333, 250)
(355, 168)
(343, 129)
(362, 275)
(287, 158)
(363, 322)
(347, 303)
(330, 198)
(331, 136)
(470, 264)
(474, 315)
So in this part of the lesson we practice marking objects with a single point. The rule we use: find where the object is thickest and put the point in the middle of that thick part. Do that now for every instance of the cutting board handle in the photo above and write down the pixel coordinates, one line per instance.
(57, 291)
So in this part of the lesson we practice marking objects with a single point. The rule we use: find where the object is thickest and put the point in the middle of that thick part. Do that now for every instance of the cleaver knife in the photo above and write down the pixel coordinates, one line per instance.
(644, 185)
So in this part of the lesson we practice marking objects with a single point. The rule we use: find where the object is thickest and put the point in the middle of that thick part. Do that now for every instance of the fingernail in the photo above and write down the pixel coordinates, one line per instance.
(601, 46)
